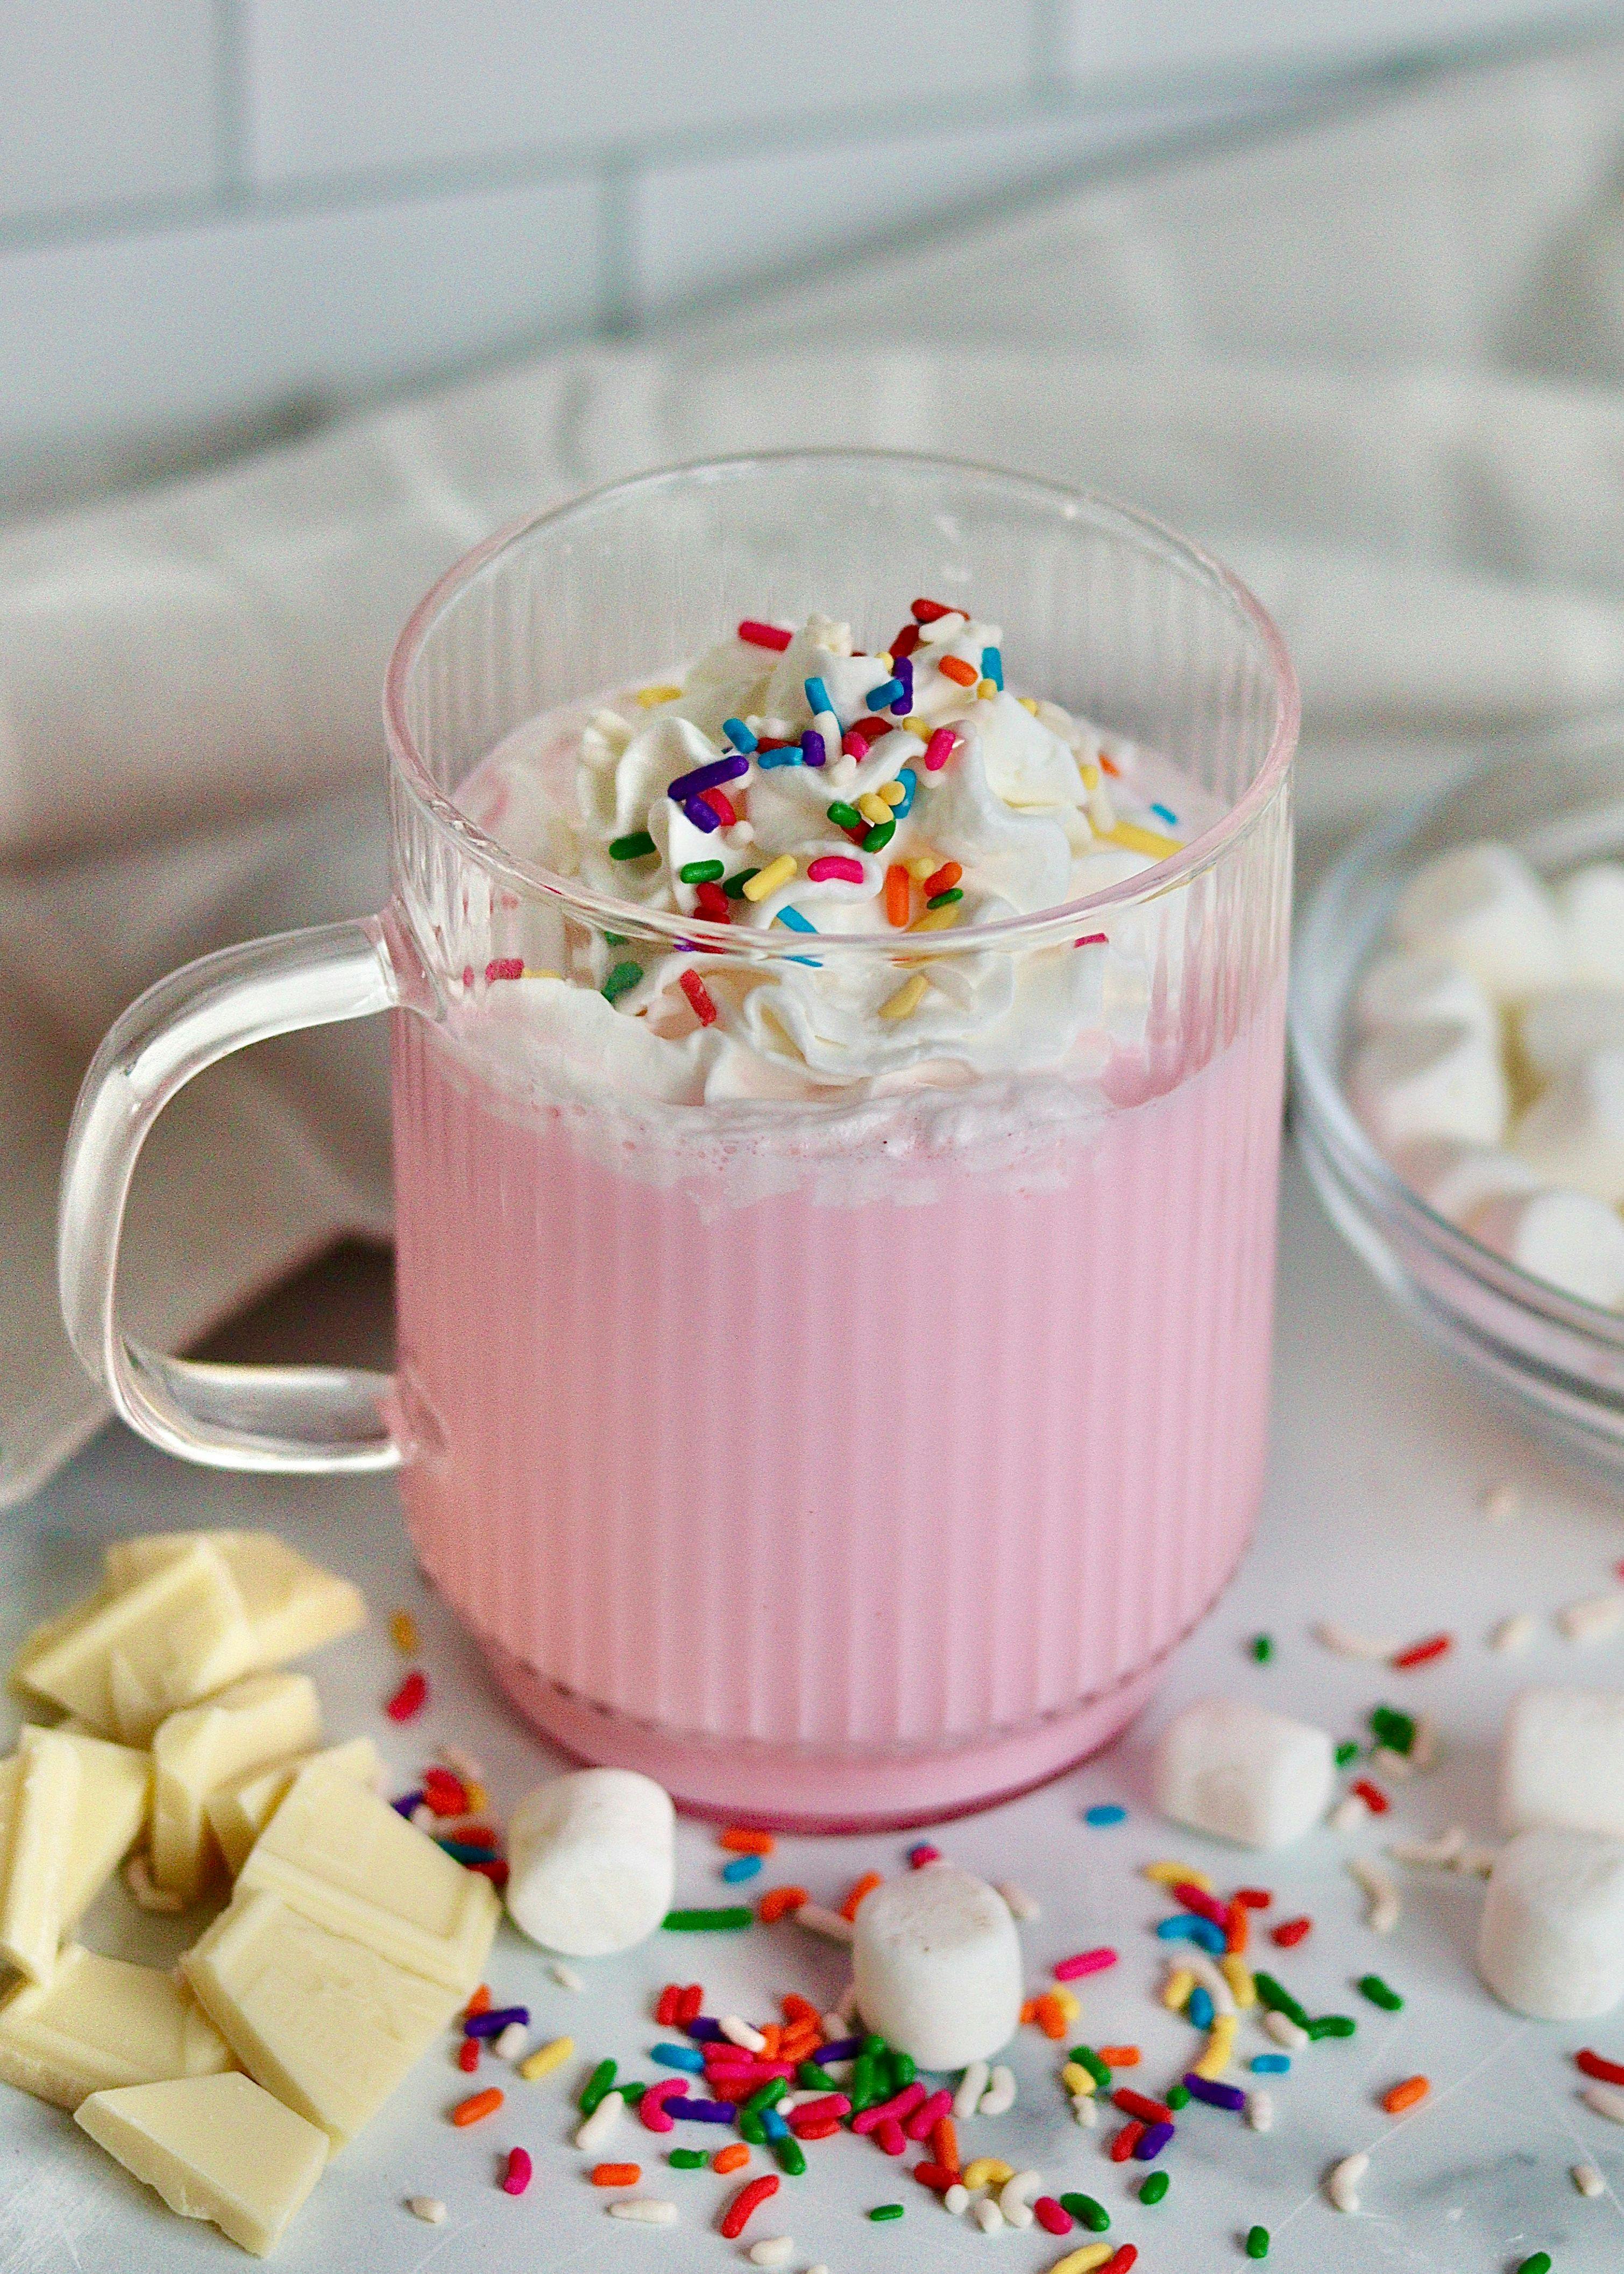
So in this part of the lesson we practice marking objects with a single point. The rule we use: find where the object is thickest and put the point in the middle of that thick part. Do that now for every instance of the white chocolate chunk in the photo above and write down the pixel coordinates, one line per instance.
(1561, 1762)
(99, 2022)
(1407, 990)
(341, 1856)
(938, 1966)
(1571, 1240)
(292, 1605)
(1242, 1773)
(1551, 1942)
(592, 1865)
(1591, 905)
(215, 2147)
(114, 1784)
(1486, 909)
(1573, 1133)
(33, 1899)
(256, 1720)
(1433, 1080)
(168, 1640)
(1556, 1030)
(326, 2024)
(240, 1809)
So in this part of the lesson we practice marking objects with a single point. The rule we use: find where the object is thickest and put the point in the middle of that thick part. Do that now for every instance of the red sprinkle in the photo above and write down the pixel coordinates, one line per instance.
(1084, 1961)
(699, 997)
(495, 1871)
(710, 901)
(872, 729)
(467, 2055)
(690, 2002)
(1423, 1653)
(519, 2169)
(933, 2175)
(1197, 1900)
(1092, 940)
(904, 643)
(760, 635)
(1140, 2104)
(666, 2011)
(445, 1794)
(929, 611)
(1255, 1899)
(923, 1854)
(1049, 2215)
(1604, 2072)
(1128, 2255)
(1291, 1931)
(505, 967)
(824, 2128)
(411, 1697)
(750, 2197)
(1371, 1795)
(1125, 2142)
(889, 2135)
(721, 805)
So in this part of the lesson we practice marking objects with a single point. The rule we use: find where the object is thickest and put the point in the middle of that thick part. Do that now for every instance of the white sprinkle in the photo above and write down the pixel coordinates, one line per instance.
(1285, 2031)
(1593, 1621)
(987, 2216)
(138, 1879)
(1346, 1644)
(1084, 2112)
(423, 1818)
(1500, 1501)
(429, 2209)
(956, 2199)
(1349, 1813)
(1589, 2180)
(1444, 1851)
(1217, 1988)
(1607, 2100)
(644, 2210)
(1015, 2197)
(1389, 1764)
(742, 833)
(1260, 2111)
(591, 2135)
(1021, 1904)
(826, 1922)
(1424, 1747)
(772, 2251)
(566, 1976)
(740, 2033)
(971, 2084)
(1515, 1633)
(1341, 2186)
(1382, 1916)
(510, 2044)
(999, 2096)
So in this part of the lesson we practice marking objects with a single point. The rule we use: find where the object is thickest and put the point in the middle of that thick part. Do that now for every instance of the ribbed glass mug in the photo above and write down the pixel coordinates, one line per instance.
(834, 1468)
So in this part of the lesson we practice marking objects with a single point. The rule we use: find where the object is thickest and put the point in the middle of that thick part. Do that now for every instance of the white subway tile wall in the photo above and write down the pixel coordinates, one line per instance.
(216, 215)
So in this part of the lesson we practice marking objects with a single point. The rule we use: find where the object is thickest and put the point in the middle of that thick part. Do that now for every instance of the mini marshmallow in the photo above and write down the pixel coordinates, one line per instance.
(1561, 1762)
(1571, 1240)
(1408, 990)
(1243, 1773)
(591, 1862)
(1551, 1943)
(1454, 1179)
(937, 1965)
(1574, 1133)
(1591, 905)
(1557, 1029)
(1435, 1079)
(1485, 908)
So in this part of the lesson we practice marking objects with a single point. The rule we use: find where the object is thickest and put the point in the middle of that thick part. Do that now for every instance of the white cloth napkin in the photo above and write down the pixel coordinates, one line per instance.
(1377, 361)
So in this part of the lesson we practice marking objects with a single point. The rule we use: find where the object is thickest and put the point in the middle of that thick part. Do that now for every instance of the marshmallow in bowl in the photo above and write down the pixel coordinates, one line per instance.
(1574, 1133)
(1572, 1240)
(1455, 1179)
(1434, 1078)
(1556, 1030)
(1591, 905)
(1485, 908)
(1405, 991)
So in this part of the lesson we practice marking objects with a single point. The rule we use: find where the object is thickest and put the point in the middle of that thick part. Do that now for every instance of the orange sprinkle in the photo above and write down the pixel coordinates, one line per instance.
(797, 2009)
(1120, 2056)
(616, 2175)
(777, 1900)
(897, 904)
(795, 2045)
(955, 667)
(1406, 2095)
(1107, 766)
(773, 2033)
(1028, 2012)
(942, 879)
(742, 1842)
(479, 2003)
(866, 1885)
(945, 2143)
(477, 2106)
(1050, 2017)
(1237, 1929)
(731, 2159)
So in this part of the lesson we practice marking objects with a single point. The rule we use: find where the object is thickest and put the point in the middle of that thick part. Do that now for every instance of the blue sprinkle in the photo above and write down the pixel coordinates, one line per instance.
(1105, 1811)
(910, 783)
(1199, 2009)
(1185, 1927)
(737, 733)
(1272, 2064)
(773, 2125)
(742, 1867)
(789, 756)
(878, 697)
(814, 750)
(992, 666)
(1166, 813)
(688, 2057)
(796, 922)
(817, 697)
(407, 1803)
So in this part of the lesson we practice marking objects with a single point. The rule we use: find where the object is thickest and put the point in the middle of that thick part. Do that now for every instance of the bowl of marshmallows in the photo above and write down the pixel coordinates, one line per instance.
(1457, 1033)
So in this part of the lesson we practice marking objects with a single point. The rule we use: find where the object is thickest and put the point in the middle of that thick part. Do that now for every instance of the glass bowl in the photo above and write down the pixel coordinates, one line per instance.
(1554, 1363)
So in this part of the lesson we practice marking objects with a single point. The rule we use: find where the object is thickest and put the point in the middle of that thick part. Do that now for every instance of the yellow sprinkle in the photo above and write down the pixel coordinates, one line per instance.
(987, 2171)
(533, 972)
(648, 697)
(915, 725)
(1077, 2078)
(1175, 1990)
(1143, 841)
(1220, 2047)
(1173, 1875)
(892, 791)
(546, 2058)
(1091, 776)
(873, 808)
(1084, 2260)
(404, 1633)
(884, 657)
(1066, 1999)
(768, 879)
(938, 919)
(987, 688)
(1237, 1974)
(906, 1001)
(478, 1799)
(922, 865)
(1029, 702)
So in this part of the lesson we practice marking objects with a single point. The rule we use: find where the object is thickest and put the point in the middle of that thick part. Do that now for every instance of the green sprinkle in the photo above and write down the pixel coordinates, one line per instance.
(1331, 2025)
(1378, 1993)
(1178, 2096)
(623, 976)
(1394, 1730)
(687, 2159)
(874, 2047)
(1258, 2242)
(945, 900)
(903, 2071)
(752, 2128)
(791, 2156)
(722, 1921)
(637, 846)
(766, 2096)
(844, 816)
(734, 886)
(1540, 2263)
(596, 2085)
(816, 2079)
(1263, 1647)
(1154, 2188)
(634, 2093)
(1086, 2212)
(878, 837)
(864, 2089)
(883, 2211)
(1348, 1750)
(617, 939)
(700, 872)
(1091, 2061)
(1279, 1999)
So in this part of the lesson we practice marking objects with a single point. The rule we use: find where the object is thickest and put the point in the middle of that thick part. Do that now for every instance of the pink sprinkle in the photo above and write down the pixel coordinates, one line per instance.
(1049, 2214)
(835, 865)
(651, 2107)
(888, 2135)
(505, 967)
(467, 974)
(763, 635)
(853, 745)
(927, 2115)
(1197, 1900)
(1092, 940)
(721, 805)
(1084, 1961)
(519, 2168)
(923, 1854)
(939, 749)
(891, 2112)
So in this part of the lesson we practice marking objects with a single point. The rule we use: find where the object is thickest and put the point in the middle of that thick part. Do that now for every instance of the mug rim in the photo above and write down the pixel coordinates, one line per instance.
(1041, 926)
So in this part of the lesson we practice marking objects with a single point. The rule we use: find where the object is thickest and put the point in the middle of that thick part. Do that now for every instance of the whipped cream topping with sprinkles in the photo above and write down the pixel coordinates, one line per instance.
(790, 783)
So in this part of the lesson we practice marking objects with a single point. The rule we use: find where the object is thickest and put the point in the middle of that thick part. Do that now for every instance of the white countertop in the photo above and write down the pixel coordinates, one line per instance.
(1373, 1516)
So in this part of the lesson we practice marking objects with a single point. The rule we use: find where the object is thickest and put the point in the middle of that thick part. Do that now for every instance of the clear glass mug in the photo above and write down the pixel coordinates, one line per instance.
(833, 1466)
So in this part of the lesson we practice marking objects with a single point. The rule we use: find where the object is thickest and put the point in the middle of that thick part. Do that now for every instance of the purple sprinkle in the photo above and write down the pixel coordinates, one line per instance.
(842, 2049)
(814, 750)
(705, 2030)
(701, 2112)
(711, 776)
(1151, 2141)
(492, 2023)
(702, 815)
(905, 679)
(1216, 2095)
(408, 1805)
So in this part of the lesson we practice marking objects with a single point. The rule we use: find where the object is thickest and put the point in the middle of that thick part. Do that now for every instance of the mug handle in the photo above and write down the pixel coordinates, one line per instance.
(287, 1420)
